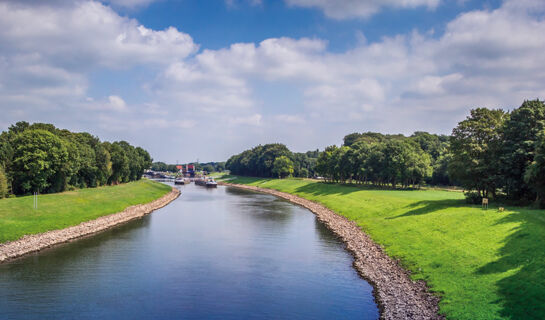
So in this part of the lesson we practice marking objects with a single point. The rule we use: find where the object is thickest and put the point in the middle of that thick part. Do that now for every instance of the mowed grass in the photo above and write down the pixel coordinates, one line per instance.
(484, 264)
(61, 210)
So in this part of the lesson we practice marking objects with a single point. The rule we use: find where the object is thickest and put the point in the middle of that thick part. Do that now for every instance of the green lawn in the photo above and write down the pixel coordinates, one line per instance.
(485, 264)
(61, 210)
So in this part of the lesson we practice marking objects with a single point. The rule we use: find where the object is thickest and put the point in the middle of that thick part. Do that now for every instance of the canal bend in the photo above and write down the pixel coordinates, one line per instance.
(220, 253)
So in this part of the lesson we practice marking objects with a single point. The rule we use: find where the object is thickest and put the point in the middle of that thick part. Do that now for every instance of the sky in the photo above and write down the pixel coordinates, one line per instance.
(202, 80)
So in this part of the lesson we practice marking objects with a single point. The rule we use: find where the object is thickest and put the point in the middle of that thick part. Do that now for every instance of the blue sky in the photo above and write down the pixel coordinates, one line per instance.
(215, 24)
(195, 79)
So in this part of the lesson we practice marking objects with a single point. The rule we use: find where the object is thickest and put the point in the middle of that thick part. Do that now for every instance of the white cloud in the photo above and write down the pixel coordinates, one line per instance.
(252, 120)
(345, 9)
(236, 3)
(485, 58)
(116, 103)
(413, 81)
(86, 35)
(130, 3)
(290, 118)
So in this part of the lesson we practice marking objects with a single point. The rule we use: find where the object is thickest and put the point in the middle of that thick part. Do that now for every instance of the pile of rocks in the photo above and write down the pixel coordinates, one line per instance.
(397, 295)
(37, 242)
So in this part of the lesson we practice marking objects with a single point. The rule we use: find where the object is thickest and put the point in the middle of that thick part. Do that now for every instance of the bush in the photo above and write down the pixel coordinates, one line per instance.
(473, 197)
(4, 192)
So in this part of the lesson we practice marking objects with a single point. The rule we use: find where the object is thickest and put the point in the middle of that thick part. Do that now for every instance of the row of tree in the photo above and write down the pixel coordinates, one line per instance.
(273, 160)
(42, 158)
(384, 159)
(391, 161)
(492, 153)
(207, 166)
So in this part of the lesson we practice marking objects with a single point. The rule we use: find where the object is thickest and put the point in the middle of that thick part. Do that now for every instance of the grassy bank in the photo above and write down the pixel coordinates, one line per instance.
(485, 264)
(61, 210)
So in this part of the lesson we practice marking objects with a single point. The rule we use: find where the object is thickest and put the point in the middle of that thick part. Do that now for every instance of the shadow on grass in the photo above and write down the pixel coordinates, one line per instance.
(330, 188)
(429, 206)
(324, 189)
(523, 293)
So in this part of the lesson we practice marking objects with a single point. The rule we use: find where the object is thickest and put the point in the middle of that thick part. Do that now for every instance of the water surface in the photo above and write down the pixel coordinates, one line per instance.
(219, 253)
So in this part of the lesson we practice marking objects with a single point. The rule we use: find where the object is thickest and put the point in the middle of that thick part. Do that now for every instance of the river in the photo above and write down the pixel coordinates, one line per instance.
(220, 253)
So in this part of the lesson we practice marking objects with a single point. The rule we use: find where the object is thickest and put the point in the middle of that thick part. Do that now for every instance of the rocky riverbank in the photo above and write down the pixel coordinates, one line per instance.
(37, 242)
(397, 295)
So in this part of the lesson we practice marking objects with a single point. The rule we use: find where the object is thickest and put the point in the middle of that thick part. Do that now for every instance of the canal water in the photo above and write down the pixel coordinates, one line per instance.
(220, 253)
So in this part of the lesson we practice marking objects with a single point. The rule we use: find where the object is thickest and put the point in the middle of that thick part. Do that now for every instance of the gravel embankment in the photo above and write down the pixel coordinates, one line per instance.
(37, 242)
(397, 295)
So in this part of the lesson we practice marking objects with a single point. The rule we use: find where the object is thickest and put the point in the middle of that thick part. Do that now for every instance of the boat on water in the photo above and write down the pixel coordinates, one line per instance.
(182, 181)
(206, 182)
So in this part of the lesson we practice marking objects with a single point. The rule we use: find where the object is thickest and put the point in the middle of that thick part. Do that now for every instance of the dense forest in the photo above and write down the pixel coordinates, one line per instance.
(492, 153)
(42, 158)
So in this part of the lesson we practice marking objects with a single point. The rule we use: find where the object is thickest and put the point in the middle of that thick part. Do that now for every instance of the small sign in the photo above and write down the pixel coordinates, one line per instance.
(485, 203)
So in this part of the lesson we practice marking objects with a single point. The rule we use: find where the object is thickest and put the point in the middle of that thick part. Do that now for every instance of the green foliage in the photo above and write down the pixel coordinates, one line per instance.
(474, 145)
(259, 161)
(473, 197)
(282, 167)
(40, 157)
(207, 166)
(535, 173)
(3, 184)
(390, 161)
(61, 210)
(491, 153)
(520, 137)
(39, 162)
(120, 163)
(485, 264)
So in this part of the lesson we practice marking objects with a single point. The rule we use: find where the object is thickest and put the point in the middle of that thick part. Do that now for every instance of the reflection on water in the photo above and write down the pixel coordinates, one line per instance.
(220, 253)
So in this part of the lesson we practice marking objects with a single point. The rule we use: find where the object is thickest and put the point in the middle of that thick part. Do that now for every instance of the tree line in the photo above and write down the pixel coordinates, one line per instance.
(385, 160)
(492, 153)
(207, 166)
(42, 158)
(273, 160)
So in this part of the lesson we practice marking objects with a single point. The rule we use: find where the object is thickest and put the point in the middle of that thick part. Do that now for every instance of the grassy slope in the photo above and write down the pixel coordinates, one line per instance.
(484, 264)
(61, 210)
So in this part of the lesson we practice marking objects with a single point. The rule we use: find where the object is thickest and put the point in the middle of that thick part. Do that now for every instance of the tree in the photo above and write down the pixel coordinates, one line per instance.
(345, 161)
(361, 151)
(282, 167)
(430, 143)
(474, 146)
(259, 161)
(325, 165)
(520, 137)
(208, 168)
(268, 155)
(352, 138)
(535, 173)
(39, 162)
(120, 164)
(3, 184)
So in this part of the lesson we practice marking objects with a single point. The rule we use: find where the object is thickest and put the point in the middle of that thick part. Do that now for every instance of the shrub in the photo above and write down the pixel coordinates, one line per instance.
(473, 197)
